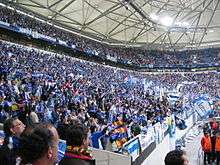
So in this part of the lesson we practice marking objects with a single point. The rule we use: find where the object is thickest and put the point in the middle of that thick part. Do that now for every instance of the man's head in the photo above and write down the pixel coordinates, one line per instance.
(176, 157)
(206, 134)
(40, 146)
(13, 126)
(93, 129)
(77, 135)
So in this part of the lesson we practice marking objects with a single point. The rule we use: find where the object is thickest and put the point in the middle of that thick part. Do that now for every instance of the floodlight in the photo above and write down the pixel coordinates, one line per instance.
(154, 17)
(166, 21)
(185, 24)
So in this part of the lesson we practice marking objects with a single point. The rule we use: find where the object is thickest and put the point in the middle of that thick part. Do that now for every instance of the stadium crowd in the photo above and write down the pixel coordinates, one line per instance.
(98, 105)
(60, 89)
(51, 87)
(38, 86)
(143, 57)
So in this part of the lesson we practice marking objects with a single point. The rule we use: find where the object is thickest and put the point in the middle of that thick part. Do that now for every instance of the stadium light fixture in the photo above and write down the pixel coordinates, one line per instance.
(166, 21)
(185, 24)
(182, 24)
(154, 17)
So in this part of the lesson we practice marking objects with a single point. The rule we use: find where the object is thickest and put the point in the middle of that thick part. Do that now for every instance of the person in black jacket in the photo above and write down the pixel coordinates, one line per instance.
(213, 141)
(77, 141)
(13, 128)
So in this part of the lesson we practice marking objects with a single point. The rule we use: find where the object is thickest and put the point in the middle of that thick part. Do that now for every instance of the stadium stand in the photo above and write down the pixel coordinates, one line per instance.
(120, 107)
(145, 58)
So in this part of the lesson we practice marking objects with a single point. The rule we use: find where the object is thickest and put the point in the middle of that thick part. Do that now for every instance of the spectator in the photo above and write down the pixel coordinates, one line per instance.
(176, 157)
(180, 123)
(214, 125)
(40, 145)
(96, 136)
(213, 141)
(13, 128)
(77, 146)
(61, 89)
(217, 147)
(207, 128)
(206, 147)
(32, 118)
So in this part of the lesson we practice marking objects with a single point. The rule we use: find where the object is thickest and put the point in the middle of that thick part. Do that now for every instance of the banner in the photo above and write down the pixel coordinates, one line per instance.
(61, 149)
(114, 59)
(4, 24)
(133, 148)
(202, 106)
(61, 42)
(119, 133)
(25, 31)
(47, 38)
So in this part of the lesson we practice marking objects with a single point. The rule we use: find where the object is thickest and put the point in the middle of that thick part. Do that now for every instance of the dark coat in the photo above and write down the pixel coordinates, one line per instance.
(76, 161)
(7, 156)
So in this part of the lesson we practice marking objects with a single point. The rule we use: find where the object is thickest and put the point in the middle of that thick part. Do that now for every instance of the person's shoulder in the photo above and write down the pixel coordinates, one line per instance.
(4, 148)
(203, 138)
(73, 161)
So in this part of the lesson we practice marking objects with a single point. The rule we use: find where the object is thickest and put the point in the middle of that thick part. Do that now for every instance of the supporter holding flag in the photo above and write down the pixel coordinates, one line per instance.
(96, 136)
(118, 131)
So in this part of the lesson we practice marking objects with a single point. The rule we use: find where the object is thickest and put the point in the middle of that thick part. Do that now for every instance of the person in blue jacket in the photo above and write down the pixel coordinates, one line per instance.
(96, 136)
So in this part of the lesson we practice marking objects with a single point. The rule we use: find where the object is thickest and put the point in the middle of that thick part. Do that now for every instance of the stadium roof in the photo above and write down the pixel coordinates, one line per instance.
(151, 24)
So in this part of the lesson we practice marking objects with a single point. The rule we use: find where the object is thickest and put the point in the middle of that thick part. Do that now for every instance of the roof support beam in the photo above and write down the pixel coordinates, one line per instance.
(210, 20)
(185, 31)
(63, 8)
(157, 39)
(111, 9)
(199, 17)
(76, 22)
(132, 13)
(127, 27)
(113, 19)
(137, 8)
(139, 34)
(121, 22)
(195, 9)
(73, 21)
(54, 3)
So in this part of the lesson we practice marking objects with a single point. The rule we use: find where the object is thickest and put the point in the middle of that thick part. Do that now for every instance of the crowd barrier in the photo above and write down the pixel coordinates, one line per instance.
(141, 146)
(104, 157)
